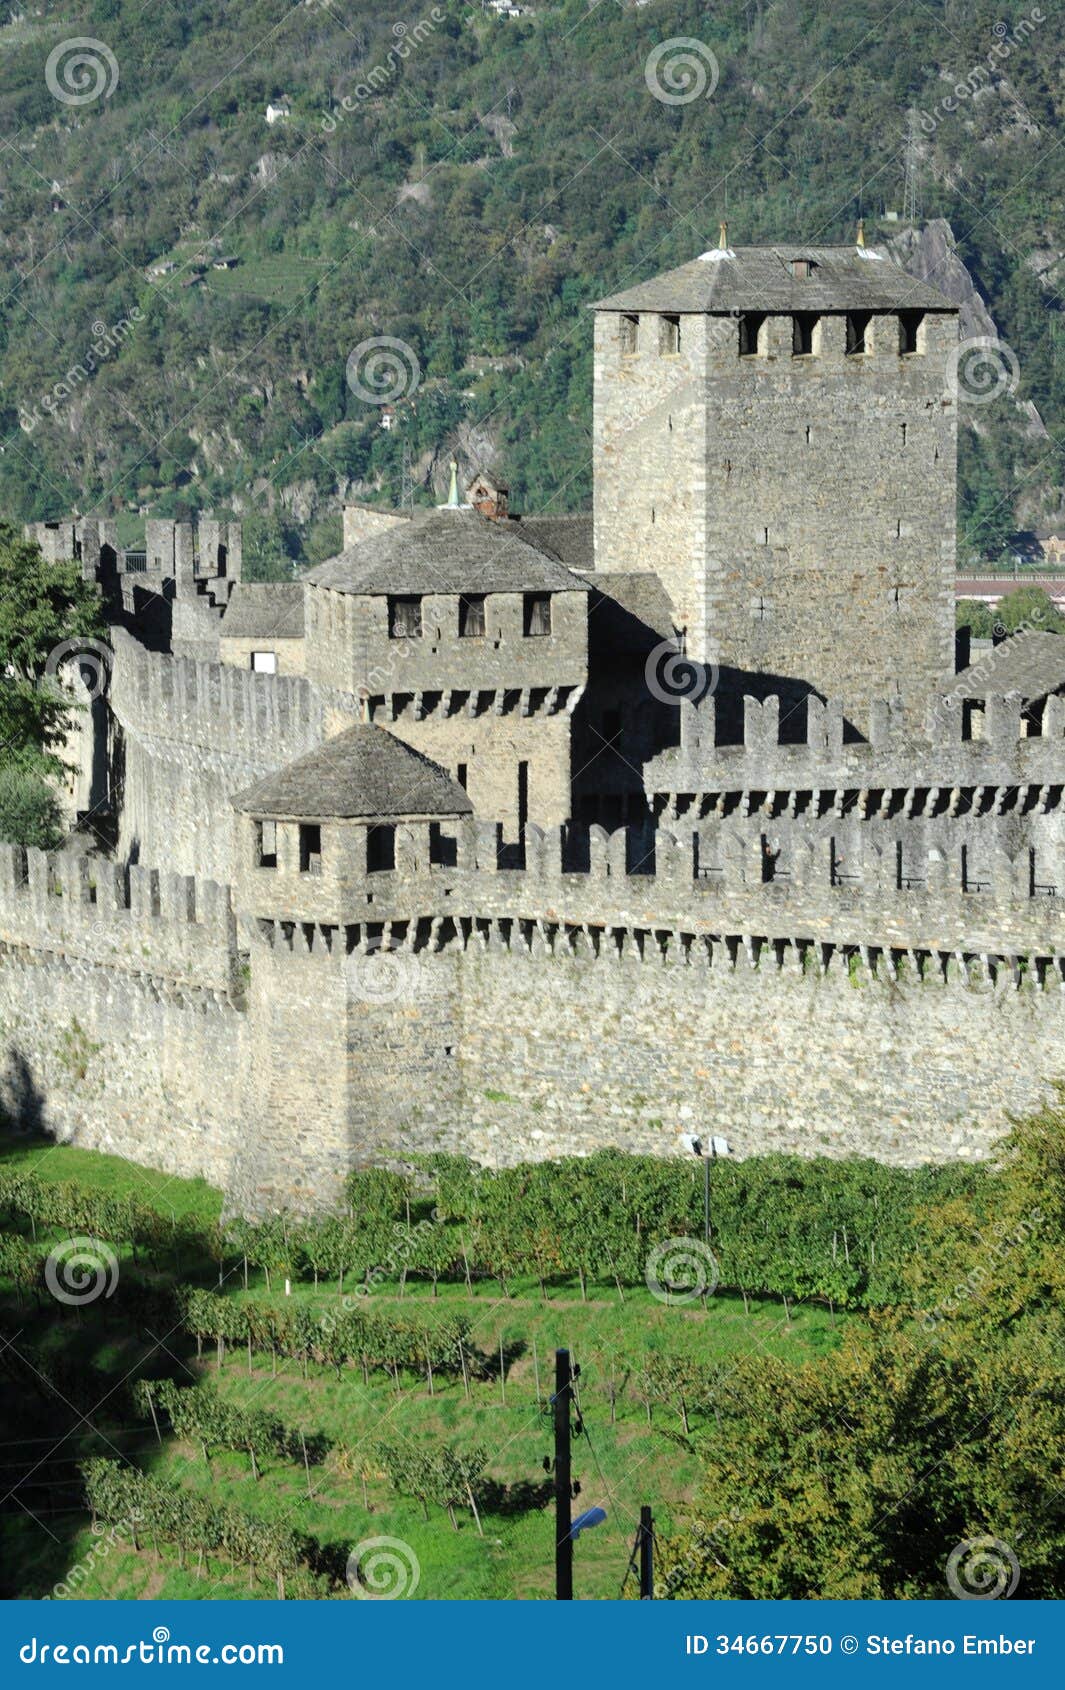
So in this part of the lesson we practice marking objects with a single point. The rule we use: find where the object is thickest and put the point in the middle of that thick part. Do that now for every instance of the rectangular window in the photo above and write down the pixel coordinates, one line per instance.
(537, 614)
(443, 847)
(310, 848)
(803, 329)
(628, 333)
(668, 335)
(380, 849)
(523, 798)
(857, 332)
(404, 618)
(909, 331)
(264, 662)
(752, 324)
(462, 775)
(266, 844)
(471, 616)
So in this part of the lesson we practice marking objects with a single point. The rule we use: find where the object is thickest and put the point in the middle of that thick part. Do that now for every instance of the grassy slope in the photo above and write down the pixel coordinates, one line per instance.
(620, 1465)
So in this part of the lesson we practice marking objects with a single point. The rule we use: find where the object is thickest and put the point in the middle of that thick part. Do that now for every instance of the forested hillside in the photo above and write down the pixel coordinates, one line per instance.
(466, 183)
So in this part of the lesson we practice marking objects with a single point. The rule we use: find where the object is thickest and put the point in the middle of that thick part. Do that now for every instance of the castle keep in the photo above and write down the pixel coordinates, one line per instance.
(523, 835)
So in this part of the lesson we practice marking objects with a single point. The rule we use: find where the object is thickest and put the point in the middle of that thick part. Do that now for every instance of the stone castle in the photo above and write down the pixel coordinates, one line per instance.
(524, 835)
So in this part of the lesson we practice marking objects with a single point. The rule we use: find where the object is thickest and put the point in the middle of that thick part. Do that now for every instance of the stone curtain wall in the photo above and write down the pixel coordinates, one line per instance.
(117, 1061)
(272, 1059)
(560, 1054)
(192, 734)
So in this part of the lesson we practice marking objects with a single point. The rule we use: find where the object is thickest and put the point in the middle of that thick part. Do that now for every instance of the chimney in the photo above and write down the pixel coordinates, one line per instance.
(489, 499)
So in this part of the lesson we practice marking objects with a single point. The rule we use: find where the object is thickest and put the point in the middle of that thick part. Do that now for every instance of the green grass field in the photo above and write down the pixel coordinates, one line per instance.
(621, 1460)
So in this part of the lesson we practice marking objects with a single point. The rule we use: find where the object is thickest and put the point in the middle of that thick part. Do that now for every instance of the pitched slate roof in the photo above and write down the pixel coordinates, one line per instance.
(1031, 663)
(446, 551)
(567, 538)
(258, 609)
(628, 612)
(362, 772)
(759, 278)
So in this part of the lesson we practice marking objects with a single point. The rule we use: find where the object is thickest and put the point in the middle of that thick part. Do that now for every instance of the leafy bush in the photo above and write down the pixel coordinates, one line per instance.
(29, 811)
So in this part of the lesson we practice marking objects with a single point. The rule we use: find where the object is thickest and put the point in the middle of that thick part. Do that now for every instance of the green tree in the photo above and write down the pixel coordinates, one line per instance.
(46, 613)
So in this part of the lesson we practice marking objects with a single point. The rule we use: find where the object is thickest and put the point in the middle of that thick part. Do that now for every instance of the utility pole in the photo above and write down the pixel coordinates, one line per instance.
(647, 1555)
(563, 1479)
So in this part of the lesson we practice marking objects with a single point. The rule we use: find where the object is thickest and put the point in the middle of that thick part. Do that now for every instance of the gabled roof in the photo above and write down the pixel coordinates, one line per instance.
(1031, 663)
(446, 551)
(363, 772)
(759, 278)
(261, 609)
(628, 612)
(566, 537)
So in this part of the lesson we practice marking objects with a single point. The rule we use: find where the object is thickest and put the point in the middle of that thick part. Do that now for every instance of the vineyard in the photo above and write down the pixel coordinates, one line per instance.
(205, 1409)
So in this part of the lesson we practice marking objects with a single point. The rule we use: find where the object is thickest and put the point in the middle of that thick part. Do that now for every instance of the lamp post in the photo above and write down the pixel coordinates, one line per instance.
(709, 1151)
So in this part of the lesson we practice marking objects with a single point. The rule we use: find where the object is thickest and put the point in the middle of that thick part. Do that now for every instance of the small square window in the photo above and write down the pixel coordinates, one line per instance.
(668, 335)
(628, 333)
(752, 340)
(380, 850)
(802, 268)
(310, 848)
(803, 331)
(471, 616)
(909, 332)
(404, 618)
(266, 844)
(264, 662)
(858, 332)
(537, 615)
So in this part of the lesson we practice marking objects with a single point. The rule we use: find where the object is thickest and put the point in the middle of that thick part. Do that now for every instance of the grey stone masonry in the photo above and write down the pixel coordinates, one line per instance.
(793, 485)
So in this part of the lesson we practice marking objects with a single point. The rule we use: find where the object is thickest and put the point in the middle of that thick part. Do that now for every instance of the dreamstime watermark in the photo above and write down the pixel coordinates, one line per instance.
(981, 370)
(703, 1543)
(381, 74)
(672, 677)
(681, 1270)
(979, 77)
(81, 70)
(681, 70)
(94, 660)
(402, 1253)
(108, 338)
(982, 1273)
(381, 370)
(81, 1270)
(384, 973)
(383, 1569)
(83, 1570)
(981, 1569)
(969, 681)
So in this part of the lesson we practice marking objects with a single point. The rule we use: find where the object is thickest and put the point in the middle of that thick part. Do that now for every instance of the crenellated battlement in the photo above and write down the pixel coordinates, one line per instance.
(171, 927)
(212, 705)
(983, 740)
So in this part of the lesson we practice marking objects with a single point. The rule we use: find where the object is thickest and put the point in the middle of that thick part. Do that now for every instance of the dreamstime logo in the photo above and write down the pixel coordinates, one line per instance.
(81, 70)
(681, 70)
(382, 370)
(81, 1270)
(382, 974)
(83, 1570)
(92, 657)
(108, 339)
(674, 678)
(383, 1569)
(981, 1569)
(381, 75)
(981, 369)
(681, 1270)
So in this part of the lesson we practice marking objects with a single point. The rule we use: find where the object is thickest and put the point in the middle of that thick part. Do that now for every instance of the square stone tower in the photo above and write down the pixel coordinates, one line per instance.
(775, 437)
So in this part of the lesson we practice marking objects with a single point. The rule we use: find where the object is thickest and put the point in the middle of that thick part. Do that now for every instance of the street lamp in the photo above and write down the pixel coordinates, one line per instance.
(713, 1147)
